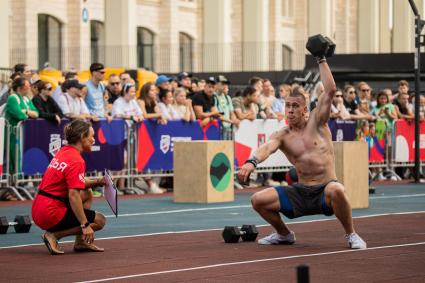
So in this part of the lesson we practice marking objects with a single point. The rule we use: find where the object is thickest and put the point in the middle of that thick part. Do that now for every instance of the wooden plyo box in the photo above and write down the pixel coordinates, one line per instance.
(351, 165)
(203, 171)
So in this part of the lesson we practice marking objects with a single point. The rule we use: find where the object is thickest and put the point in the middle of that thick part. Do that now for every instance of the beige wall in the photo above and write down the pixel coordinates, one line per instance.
(249, 34)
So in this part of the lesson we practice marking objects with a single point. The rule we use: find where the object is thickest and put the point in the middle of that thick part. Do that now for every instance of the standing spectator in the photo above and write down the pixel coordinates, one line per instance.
(257, 83)
(24, 70)
(317, 92)
(403, 87)
(351, 103)
(95, 90)
(163, 82)
(148, 104)
(71, 75)
(364, 109)
(194, 85)
(166, 105)
(224, 105)
(338, 110)
(402, 107)
(174, 83)
(72, 103)
(18, 107)
(267, 98)
(184, 80)
(183, 105)
(279, 104)
(385, 110)
(204, 104)
(364, 92)
(246, 105)
(113, 91)
(47, 107)
(125, 78)
(126, 107)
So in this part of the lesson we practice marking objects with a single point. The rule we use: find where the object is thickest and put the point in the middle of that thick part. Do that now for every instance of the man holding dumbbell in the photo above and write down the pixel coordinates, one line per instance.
(307, 143)
(62, 205)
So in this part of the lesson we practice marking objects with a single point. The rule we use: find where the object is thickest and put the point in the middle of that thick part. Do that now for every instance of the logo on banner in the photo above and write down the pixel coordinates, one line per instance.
(339, 135)
(165, 143)
(220, 172)
(261, 138)
(55, 144)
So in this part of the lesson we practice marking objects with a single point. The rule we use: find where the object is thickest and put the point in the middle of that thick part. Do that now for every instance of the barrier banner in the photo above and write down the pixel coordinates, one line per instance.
(404, 145)
(342, 130)
(250, 135)
(156, 142)
(2, 132)
(42, 139)
(376, 140)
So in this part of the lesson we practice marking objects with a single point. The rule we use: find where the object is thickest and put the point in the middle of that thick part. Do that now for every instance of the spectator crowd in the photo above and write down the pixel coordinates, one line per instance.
(187, 98)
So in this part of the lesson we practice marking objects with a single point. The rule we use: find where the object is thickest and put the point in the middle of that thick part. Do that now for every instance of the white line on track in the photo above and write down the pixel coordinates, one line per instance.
(217, 229)
(231, 207)
(250, 261)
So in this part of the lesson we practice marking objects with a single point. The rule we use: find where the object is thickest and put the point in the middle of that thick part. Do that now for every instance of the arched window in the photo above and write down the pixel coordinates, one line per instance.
(185, 52)
(145, 56)
(49, 41)
(97, 41)
(286, 57)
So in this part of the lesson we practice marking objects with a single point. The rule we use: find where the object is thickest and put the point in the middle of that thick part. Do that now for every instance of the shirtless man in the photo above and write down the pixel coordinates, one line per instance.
(307, 143)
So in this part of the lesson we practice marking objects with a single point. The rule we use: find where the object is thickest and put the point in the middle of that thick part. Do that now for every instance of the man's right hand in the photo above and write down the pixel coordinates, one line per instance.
(88, 235)
(245, 171)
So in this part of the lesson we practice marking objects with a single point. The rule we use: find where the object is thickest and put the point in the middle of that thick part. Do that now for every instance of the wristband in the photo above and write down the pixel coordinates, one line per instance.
(253, 160)
(320, 60)
(85, 225)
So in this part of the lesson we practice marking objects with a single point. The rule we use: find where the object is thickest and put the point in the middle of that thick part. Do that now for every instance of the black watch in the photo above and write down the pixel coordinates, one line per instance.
(85, 225)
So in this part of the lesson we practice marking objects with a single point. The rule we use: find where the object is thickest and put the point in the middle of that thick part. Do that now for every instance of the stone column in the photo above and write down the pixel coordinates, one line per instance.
(403, 39)
(217, 36)
(255, 35)
(368, 21)
(320, 17)
(121, 33)
(167, 55)
(4, 31)
(384, 26)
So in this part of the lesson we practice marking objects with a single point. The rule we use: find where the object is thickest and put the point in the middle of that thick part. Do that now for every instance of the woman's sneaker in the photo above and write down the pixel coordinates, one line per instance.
(154, 189)
(277, 239)
(355, 242)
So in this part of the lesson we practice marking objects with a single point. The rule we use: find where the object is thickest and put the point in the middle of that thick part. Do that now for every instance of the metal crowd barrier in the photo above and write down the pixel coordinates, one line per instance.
(133, 170)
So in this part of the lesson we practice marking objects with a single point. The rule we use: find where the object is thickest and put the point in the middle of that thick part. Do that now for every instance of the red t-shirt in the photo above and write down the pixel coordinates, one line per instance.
(65, 171)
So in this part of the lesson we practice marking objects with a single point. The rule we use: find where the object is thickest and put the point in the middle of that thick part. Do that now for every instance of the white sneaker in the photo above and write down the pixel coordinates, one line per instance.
(355, 242)
(277, 239)
(154, 189)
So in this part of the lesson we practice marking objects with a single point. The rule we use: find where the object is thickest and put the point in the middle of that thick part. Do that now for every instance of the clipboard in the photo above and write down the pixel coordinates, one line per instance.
(111, 193)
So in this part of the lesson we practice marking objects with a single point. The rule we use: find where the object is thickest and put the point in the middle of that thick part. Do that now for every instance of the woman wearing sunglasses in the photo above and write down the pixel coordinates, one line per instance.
(46, 105)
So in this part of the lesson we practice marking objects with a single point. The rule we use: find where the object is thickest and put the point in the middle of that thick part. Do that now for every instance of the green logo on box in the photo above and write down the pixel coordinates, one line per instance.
(220, 172)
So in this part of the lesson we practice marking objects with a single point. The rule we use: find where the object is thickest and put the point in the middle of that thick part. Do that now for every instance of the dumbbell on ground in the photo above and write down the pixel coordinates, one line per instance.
(22, 224)
(248, 233)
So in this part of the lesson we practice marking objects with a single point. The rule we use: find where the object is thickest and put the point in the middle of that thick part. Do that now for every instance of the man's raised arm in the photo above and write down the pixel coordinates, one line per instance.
(321, 47)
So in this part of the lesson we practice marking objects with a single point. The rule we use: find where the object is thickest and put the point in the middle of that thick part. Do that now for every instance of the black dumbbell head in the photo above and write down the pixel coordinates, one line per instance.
(4, 225)
(231, 234)
(249, 233)
(331, 49)
(317, 45)
(23, 224)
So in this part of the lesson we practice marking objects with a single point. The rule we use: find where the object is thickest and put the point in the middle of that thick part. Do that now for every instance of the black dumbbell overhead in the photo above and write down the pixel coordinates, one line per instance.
(320, 46)
(248, 233)
(22, 224)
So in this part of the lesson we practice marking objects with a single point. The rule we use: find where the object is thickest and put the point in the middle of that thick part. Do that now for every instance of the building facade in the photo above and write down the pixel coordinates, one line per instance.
(168, 36)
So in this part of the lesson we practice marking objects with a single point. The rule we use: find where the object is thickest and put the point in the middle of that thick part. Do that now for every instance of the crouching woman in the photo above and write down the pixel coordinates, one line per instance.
(62, 205)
